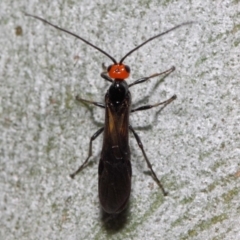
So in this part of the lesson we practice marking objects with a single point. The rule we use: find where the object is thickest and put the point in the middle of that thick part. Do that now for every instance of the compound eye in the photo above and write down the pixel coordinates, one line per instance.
(127, 68)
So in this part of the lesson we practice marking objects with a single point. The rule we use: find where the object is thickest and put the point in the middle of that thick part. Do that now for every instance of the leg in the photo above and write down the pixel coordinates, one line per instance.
(104, 74)
(88, 101)
(165, 103)
(148, 163)
(106, 77)
(95, 135)
(144, 79)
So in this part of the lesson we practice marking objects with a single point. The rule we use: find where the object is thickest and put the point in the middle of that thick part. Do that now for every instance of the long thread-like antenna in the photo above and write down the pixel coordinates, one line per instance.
(150, 39)
(99, 49)
(73, 34)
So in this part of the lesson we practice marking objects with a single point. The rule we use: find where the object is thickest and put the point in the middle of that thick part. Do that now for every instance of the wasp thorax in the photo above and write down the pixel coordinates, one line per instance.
(118, 91)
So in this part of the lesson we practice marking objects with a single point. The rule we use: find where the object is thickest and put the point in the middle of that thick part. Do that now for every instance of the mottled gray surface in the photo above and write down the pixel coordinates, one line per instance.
(193, 144)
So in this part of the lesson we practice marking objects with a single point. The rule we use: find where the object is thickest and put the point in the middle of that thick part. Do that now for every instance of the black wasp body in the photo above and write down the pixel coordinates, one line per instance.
(115, 167)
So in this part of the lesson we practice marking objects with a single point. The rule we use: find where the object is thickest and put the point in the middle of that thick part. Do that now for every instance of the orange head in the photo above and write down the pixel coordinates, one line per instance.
(118, 71)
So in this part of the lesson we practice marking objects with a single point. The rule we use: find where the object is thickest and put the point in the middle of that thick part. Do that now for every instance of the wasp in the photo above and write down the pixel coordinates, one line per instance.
(114, 170)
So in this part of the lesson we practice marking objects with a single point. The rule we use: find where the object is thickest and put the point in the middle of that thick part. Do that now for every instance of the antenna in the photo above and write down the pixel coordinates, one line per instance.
(102, 51)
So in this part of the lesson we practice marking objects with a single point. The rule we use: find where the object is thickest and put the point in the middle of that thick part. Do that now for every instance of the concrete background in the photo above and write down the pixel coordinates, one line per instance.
(193, 144)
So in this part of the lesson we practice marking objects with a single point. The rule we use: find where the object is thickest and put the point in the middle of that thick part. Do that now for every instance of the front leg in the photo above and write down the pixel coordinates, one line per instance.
(165, 103)
(104, 74)
(88, 101)
(144, 79)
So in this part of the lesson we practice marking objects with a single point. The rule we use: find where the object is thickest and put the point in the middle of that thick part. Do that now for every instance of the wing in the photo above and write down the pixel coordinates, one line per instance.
(115, 166)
